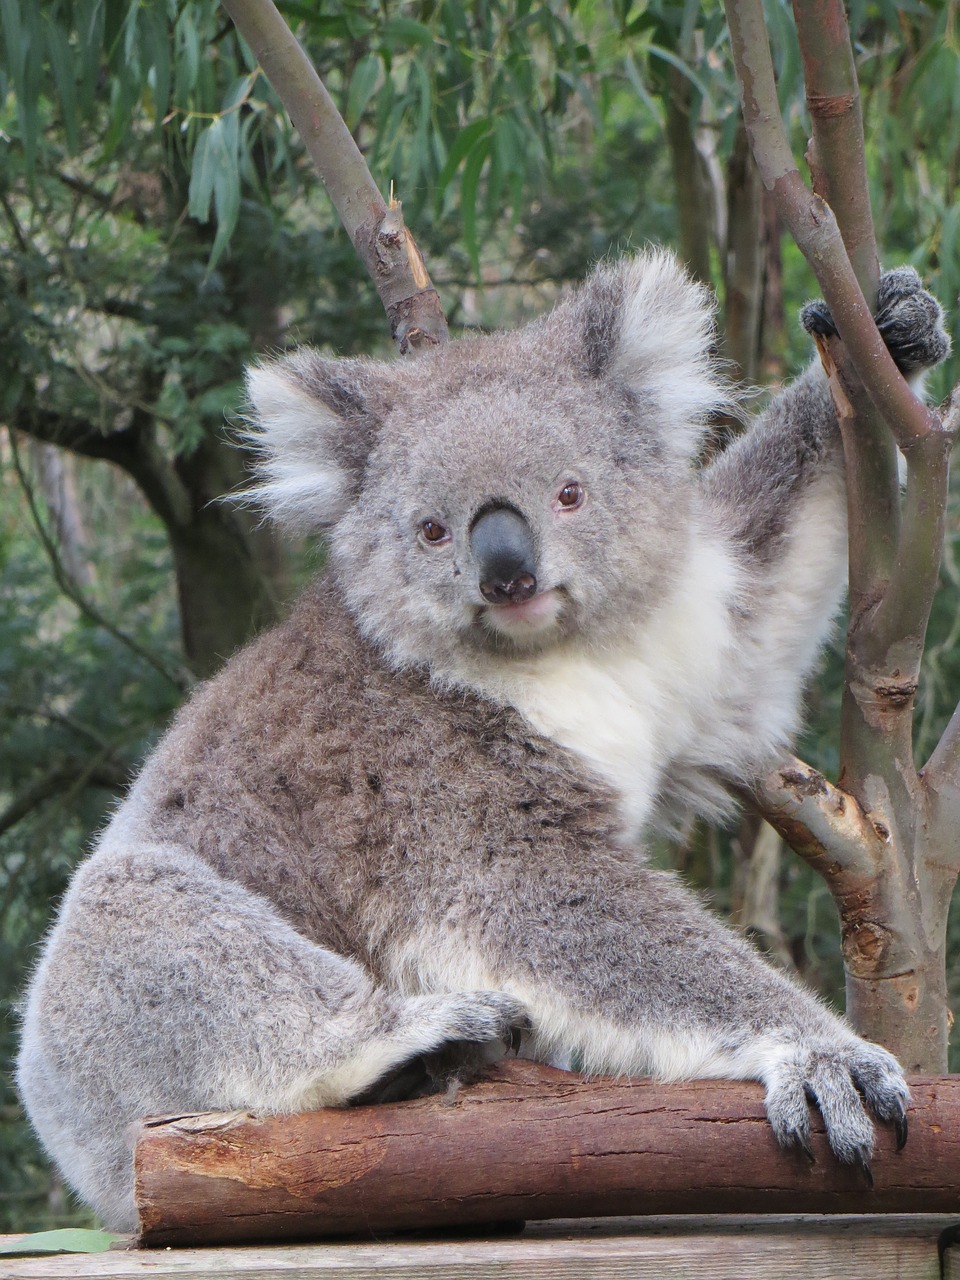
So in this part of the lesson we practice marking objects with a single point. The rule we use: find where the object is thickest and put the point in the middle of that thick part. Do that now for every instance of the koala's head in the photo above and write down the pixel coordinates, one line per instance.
(505, 493)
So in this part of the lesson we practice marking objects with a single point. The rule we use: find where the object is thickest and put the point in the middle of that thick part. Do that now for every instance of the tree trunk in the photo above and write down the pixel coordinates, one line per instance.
(527, 1142)
(225, 598)
(884, 838)
(231, 572)
(693, 194)
(894, 953)
(743, 267)
(58, 485)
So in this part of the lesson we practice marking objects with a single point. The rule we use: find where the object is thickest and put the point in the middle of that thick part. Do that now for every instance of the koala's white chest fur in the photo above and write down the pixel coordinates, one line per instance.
(629, 710)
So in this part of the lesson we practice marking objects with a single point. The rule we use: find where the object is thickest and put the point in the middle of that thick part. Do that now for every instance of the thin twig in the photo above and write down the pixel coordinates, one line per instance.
(82, 730)
(95, 772)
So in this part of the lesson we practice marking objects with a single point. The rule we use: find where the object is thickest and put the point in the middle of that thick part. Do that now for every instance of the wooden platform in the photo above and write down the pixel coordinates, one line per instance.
(888, 1247)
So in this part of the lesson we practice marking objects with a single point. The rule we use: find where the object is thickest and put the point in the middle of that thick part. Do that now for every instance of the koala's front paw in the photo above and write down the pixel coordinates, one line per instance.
(910, 321)
(839, 1080)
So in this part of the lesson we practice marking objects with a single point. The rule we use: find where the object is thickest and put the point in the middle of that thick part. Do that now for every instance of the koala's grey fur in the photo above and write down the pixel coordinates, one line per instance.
(410, 818)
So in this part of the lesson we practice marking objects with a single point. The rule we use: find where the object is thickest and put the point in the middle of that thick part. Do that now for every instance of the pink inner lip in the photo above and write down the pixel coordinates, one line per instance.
(543, 605)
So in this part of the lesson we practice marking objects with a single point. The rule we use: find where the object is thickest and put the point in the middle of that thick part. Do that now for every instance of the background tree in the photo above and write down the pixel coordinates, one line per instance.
(162, 225)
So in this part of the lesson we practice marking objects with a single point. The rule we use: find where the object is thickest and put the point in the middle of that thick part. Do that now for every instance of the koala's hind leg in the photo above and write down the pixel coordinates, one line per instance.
(167, 988)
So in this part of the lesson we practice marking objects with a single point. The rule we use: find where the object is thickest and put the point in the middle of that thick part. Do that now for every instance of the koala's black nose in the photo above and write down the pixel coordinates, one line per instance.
(502, 545)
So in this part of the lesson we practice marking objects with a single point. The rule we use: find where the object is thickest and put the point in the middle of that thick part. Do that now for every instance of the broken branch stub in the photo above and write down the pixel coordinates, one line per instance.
(381, 239)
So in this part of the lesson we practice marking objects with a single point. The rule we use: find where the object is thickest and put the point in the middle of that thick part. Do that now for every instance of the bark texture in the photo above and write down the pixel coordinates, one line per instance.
(527, 1142)
(885, 838)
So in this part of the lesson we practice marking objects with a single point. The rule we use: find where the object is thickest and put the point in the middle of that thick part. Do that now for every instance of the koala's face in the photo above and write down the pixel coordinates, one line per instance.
(510, 510)
(503, 494)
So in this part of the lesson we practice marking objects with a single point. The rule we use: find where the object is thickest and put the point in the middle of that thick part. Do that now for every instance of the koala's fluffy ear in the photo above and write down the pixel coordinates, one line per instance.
(646, 322)
(314, 422)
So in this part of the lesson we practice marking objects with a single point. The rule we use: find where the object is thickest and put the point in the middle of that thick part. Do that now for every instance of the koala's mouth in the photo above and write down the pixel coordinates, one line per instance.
(525, 620)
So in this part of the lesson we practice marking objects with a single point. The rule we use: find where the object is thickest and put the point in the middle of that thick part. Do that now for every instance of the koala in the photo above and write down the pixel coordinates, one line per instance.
(406, 827)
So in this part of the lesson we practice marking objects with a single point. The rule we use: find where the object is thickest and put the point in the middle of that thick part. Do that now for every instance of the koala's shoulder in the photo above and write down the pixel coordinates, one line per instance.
(310, 713)
(312, 772)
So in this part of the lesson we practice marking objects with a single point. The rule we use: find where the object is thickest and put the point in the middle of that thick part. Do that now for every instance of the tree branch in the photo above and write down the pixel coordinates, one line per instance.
(99, 772)
(820, 822)
(385, 246)
(837, 157)
(133, 448)
(79, 435)
(891, 562)
(526, 1141)
(12, 707)
(941, 774)
(896, 635)
(72, 591)
(838, 167)
(102, 199)
(814, 227)
(888, 618)
(893, 915)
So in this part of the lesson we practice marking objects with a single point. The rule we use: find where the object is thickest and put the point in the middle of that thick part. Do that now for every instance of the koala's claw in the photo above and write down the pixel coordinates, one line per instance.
(910, 321)
(803, 1142)
(843, 1082)
(900, 1122)
(817, 320)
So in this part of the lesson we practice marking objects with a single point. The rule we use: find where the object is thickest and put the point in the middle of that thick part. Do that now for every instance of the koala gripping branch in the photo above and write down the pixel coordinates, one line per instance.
(527, 1142)
(889, 851)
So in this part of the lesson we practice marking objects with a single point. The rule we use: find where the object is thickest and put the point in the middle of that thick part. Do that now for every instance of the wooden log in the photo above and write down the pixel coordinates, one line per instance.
(526, 1142)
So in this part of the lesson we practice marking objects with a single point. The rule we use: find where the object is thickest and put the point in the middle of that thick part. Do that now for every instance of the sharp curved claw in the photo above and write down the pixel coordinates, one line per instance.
(900, 1124)
(804, 1144)
(516, 1037)
(864, 1164)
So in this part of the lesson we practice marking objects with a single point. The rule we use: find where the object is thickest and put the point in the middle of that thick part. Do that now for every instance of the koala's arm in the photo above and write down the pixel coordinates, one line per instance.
(623, 971)
(782, 474)
(776, 498)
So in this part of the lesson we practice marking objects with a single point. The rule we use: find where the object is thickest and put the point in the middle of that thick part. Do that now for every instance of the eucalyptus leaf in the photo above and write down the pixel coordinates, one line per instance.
(406, 31)
(363, 83)
(469, 198)
(65, 1240)
(202, 174)
(464, 143)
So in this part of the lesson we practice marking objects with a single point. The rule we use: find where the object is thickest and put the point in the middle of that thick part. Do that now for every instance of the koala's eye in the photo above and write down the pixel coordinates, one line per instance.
(434, 532)
(570, 497)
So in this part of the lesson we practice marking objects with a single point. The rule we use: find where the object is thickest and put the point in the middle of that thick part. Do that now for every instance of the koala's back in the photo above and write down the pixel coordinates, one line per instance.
(355, 797)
